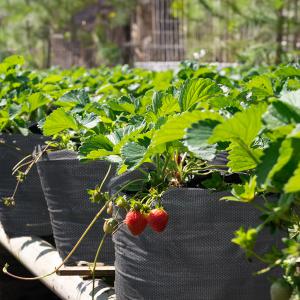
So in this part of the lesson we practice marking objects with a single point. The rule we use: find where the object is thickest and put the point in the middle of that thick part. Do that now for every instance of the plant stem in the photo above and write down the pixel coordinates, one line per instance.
(20, 166)
(16, 189)
(31, 163)
(22, 160)
(105, 178)
(68, 256)
(74, 248)
(95, 263)
(36, 159)
(165, 166)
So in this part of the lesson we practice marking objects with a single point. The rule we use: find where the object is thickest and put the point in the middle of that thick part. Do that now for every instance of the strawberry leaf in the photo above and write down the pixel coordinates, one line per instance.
(293, 185)
(175, 126)
(58, 121)
(243, 125)
(197, 90)
(96, 141)
(133, 154)
(196, 139)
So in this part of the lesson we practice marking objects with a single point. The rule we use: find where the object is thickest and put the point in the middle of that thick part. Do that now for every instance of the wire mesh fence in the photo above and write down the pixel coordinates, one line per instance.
(167, 31)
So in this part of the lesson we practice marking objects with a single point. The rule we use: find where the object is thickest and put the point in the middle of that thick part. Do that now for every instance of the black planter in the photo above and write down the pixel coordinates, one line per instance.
(194, 257)
(30, 215)
(65, 181)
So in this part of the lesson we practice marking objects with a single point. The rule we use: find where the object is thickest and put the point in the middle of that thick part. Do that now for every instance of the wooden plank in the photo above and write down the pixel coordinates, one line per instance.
(101, 271)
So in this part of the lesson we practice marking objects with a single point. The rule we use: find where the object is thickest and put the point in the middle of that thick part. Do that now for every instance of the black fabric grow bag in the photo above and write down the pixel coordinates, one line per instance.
(30, 215)
(194, 257)
(65, 181)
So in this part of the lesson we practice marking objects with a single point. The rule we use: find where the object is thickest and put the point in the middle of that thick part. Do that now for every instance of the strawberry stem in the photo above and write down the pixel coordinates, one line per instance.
(95, 263)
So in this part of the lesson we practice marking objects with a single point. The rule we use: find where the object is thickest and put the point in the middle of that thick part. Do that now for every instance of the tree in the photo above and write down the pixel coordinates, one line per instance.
(263, 30)
(27, 25)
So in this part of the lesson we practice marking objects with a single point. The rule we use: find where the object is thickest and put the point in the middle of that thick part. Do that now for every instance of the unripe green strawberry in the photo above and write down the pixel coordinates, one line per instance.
(110, 225)
(136, 222)
(110, 208)
(158, 219)
(280, 290)
(122, 203)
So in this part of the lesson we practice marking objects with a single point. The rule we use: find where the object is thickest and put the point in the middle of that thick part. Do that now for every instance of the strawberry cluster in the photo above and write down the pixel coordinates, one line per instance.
(137, 221)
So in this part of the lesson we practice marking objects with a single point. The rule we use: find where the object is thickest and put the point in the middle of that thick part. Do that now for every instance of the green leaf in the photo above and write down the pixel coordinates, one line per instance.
(88, 120)
(14, 60)
(74, 98)
(242, 157)
(174, 128)
(268, 160)
(122, 135)
(261, 86)
(164, 104)
(197, 90)
(293, 84)
(53, 78)
(287, 71)
(133, 154)
(123, 104)
(246, 239)
(216, 182)
(295, 133)
(95, 142)
(58, 121)
(285, 111)
(293, 185)
(280, 114)
(243, 192)
(291, 97)
(157, 101)
(286, 163)
(161, 80)
(243, 125)
(196, 139)
(11, 61)
(97, 154)
(169, 105)
(35, 101)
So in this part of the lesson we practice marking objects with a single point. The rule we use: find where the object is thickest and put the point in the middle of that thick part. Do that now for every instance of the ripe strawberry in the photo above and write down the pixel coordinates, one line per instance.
(136, 222)
(158, 219)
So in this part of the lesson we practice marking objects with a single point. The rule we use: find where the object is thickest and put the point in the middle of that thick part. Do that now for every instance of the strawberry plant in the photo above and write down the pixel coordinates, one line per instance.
(256, 122)
(230, 129)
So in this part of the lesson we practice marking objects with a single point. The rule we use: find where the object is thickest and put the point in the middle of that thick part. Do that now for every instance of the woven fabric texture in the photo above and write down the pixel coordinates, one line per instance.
(29, 216)
(194, 257)
(65, 181)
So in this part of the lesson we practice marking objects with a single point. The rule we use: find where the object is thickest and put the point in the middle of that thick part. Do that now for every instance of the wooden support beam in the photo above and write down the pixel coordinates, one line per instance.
(101, 271)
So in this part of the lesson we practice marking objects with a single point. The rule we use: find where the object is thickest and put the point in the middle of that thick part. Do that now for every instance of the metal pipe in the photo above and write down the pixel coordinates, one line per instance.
(39, 257)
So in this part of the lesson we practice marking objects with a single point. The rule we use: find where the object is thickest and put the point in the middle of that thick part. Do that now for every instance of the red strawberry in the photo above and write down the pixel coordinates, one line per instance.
(136, 222)
(158, 219)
